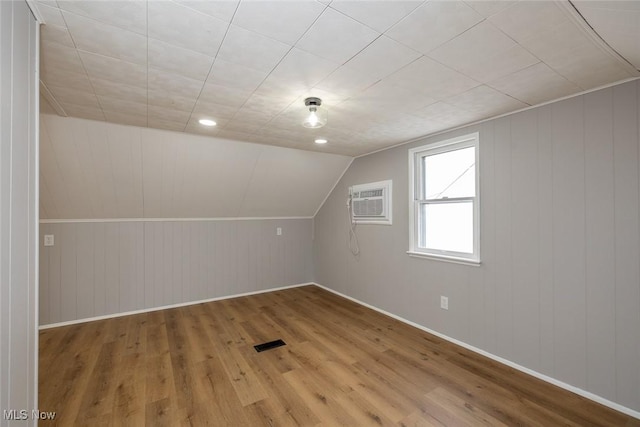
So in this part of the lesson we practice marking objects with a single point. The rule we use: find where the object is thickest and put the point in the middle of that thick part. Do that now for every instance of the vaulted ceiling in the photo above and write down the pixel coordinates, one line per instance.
(387, 71)
(94, 170)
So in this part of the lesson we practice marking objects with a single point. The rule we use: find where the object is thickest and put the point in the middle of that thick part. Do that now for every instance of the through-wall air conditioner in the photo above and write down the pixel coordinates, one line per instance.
(371, 203)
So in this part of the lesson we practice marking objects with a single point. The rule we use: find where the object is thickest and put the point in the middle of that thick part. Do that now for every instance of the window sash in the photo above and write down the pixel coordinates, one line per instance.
(416, 159)
(421, 223)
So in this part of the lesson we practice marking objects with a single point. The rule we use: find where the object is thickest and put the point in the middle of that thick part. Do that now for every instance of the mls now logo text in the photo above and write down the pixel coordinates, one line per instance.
(23, 414)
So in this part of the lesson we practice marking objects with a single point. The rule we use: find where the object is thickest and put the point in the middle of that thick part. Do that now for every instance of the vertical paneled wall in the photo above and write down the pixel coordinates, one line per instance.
(558, 290)
(101, 268)
(18, 211)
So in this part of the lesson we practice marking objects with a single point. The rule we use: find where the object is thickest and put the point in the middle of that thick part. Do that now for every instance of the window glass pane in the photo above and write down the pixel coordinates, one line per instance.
(450, 174)
(447, 226)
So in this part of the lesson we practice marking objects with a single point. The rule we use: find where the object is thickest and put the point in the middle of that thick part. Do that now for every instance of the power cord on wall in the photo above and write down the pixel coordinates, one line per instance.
(354, 247)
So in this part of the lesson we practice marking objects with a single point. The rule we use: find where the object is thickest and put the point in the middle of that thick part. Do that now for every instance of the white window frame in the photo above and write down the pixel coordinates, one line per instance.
(416, 181)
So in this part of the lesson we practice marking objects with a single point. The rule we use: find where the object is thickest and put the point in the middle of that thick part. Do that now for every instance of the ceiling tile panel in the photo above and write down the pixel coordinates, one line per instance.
(170, 99)
(60, 58)
(489, 8)
(55, 77)
(169, 114)
(526, 19)
(74, 96)
(394, 98)
(219, 9)
(55, 34)
(618, 22)
(51, 15)
(251, 49)
(115, 70)
(432, 79)
(235, 76)
(434, 23)
(500, 64)
(281, 90)
(566, 49)
(302, 67)
(485, 101)
(119, 105)
(403, 128)
(50, 3)
(215, 111)
(336, 37)
(45, 106)
(185, 27)
(446, 115)
(218, 94)
(535, 84)
(83, 111)
(267, 104)
(329, 99)
(253, 116)
(347, 81)
(177, 60)
(119, 90)
(278, 93)
(483, 53)
(289, 119)
(379, 15)
(382, 57)
(129, 15)
(90, 35)
(269, 17)
(174, 83)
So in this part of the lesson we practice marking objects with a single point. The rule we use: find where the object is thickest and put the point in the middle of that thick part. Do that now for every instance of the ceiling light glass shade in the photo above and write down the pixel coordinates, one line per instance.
(321, 141)
(317, 116)
(316, 119)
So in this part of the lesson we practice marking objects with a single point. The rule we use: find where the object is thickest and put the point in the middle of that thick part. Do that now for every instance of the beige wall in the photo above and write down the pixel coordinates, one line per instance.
(558, 290)
(102, 268)
(18, 212)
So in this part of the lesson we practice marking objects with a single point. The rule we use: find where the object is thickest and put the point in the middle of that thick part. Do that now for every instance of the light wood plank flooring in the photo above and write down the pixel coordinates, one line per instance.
(343, 364)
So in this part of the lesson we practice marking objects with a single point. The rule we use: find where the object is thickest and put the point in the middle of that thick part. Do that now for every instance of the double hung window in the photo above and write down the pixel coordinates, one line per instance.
(444, 200)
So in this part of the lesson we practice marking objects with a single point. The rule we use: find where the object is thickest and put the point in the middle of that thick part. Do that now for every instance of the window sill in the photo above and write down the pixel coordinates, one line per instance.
(454, 260)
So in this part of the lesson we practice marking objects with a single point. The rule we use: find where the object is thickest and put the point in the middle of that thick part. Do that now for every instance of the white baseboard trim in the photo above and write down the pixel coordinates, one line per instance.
(543, 377)
(107, 220)
(164, 307)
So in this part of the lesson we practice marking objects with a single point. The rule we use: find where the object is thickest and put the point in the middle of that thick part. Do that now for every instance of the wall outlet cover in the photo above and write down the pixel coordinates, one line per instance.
(48, 239)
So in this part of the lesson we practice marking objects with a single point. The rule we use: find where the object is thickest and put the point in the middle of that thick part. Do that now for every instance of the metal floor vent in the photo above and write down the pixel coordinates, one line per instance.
(269, 345)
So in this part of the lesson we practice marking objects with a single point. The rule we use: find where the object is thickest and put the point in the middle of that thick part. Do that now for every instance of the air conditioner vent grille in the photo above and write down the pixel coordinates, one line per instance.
(371, 203)
(368, 207)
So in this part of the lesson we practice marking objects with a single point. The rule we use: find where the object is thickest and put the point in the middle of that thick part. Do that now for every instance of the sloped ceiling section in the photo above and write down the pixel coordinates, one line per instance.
(387, 71)
(96, 170)
(617, 22)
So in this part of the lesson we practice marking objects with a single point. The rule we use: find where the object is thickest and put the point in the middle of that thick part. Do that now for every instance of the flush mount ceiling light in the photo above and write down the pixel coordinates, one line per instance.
(321, 141)
(207, 122)
(317, 116)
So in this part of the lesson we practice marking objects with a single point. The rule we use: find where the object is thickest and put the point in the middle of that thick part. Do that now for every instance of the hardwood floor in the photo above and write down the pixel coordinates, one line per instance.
(343, 364)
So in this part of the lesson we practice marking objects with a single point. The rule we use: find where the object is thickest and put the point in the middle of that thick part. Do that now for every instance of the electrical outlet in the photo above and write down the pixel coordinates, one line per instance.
(278, 231)
(444, 303)
(48, 239)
